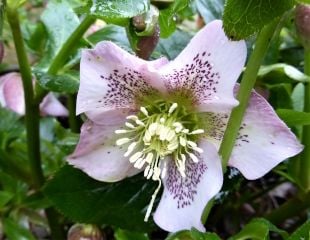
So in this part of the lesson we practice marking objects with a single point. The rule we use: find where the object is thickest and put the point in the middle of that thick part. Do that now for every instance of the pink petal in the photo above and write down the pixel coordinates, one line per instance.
(52, 107)
(264, 140)
(13, 93)
(208, 68)
(111, 78)
(184, 199)
(97, 155)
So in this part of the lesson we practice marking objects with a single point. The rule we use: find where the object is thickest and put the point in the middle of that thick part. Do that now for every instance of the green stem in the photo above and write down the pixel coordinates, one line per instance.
(73, 120)
(62, 56)
(31, 117)
(246, 86)
(304, 164)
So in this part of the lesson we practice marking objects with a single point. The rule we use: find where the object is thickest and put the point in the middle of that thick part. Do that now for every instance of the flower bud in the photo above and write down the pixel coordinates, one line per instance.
(302, 21)
(146, 45)
(86, 232)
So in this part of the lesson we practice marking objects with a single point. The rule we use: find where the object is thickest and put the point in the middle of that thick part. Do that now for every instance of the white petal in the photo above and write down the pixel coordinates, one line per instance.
(208, 68)
(184, 199)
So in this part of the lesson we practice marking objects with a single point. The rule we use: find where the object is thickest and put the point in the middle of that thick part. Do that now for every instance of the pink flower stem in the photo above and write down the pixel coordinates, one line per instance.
(247, 83)
(31, 117)
(304, 164)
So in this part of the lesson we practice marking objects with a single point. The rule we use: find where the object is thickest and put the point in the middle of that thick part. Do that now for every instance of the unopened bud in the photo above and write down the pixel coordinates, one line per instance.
(302, 21)
(86, 232)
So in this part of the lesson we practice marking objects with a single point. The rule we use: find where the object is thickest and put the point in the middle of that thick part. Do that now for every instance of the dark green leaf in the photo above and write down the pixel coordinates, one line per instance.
(172, 46)
(14, 231)
(115, 11)
(67, 82)
(258, 229)
(84, 199)
(292, 118)
(128, 235)
(60, 21)
(193, 235)
(303, 232)
(210, 9)
(280, 95)
(244, 18)
(168, 17)
(5, 197)
(304, 1)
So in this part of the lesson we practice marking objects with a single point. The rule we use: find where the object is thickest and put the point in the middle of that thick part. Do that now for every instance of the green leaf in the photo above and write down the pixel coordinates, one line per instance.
(128, 235)
(303, 232)
(167, 17)
(303, 1)
(5, 197)
(14, 231)
(193, 234)
(298, 96)
(67, 82)
(281, 73)
(258, 229)
(60, 21)
(116, 11)
(244, 18)
(280, 95)
(210, 9)
(292, 118)
(172, 46)
(86, 200)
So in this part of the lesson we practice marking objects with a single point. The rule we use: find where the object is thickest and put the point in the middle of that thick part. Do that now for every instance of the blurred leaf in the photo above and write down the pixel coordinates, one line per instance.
(116, 11)
(128, 235)
(292, 118)
(304, 1)
(112, 33)
(67, 82)
(258, 229)
(281, 73)
(60, 21)
(172, 46)
(244, 18)
(5, 197)
(298, 96)
(167, 17)
(192, 235)
(280, 95)
(303, 232)
(210, 9)
(14, 231)
(86, 200)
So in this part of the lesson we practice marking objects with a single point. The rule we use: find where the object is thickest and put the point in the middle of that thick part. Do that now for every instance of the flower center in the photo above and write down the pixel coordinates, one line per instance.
(157, 131)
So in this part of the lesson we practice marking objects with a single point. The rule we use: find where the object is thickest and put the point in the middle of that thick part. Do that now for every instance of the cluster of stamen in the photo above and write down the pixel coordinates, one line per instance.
(155, 133)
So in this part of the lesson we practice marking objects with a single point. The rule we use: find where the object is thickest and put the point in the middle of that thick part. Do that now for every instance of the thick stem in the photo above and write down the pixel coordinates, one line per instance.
(62, 56)
(247, 83)
(32, 116)
(304, 164)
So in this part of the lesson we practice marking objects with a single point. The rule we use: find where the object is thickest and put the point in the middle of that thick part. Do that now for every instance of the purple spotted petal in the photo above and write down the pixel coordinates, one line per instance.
(264, 140)
(111, 78)
(208, 68)
(184, 199)
(97, 155)
(12, 93)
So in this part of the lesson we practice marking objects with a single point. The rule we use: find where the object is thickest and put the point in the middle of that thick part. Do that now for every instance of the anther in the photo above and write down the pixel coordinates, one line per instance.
(132, 117)
(129, 125)
(193, 157)
(144, 111)
(172, 108)
(198, 131)
(131, 147)
(139, 122)
(121, 131)
(122, 141)
(135, 157)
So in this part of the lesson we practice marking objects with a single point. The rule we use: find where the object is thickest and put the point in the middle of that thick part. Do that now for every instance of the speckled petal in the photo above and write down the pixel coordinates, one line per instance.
(184, 199)
(111, 78)
(264, 140)
(52, 107)
(97, 155)
(208, 68)
(13, 93)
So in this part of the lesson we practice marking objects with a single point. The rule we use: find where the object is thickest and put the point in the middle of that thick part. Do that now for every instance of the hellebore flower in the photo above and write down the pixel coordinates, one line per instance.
(167, 119)
(12, 97)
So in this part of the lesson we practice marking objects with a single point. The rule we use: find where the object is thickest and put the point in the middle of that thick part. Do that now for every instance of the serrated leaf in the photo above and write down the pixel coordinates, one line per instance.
(293, 118)
(258, 229)
(244, 18)
(60, 21)
(65, 83)
(303, 232)
(281, 73)
(115, 11)
(121, 234)
(86, 200)
(210, 9)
